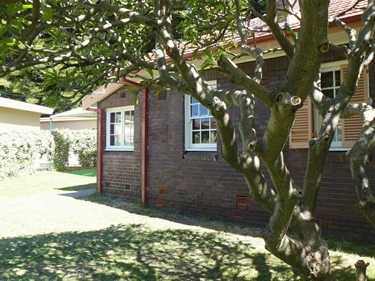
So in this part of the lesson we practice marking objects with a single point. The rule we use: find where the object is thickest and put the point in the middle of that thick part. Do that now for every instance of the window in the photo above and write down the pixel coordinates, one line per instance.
(307, 122)
(120, 128)
(200, 126)
(330, 80)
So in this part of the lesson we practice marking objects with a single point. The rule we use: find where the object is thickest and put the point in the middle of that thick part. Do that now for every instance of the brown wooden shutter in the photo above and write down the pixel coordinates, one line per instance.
(352, 126)
(300, 133)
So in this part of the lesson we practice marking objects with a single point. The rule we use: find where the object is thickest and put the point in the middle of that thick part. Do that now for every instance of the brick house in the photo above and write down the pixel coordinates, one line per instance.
(166, 151)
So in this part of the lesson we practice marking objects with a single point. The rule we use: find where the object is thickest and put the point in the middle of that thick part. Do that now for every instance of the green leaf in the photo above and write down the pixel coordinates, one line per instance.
(150, 72)
(3, 29)
(136, 100)
(12, 9)
(8, 42)
(131, 89)
(47, 13)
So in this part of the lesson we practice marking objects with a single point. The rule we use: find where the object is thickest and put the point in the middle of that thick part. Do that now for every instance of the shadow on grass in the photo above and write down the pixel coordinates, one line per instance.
(79, 187)
(134, 252)
(135, 207)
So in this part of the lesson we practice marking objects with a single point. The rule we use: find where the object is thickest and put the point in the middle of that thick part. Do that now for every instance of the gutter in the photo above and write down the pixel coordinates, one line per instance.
(144, 139)
(100, 112)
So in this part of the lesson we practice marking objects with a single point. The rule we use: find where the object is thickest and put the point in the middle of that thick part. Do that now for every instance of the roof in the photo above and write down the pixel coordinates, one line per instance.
(24, 106)
(349, 11)
(99, 94)
(76, 112)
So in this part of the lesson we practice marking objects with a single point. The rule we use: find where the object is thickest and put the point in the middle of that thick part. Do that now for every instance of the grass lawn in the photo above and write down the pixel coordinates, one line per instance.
(34, 184)
(184, 248)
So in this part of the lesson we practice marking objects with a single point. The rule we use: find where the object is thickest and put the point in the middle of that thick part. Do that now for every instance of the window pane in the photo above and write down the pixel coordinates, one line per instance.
(127, 116)
(194, 110)
(117, 140)
(112, 117)
(129, 136)
(213, 137)
(196, 124)
(205, 137)
(328, 93)
(129, 128)
(118, 117)
(196, 137)
(205, 123)
(337, 78)
(112, 129)
(213, 123)
(327, 79)
(193, 100)
(203, 110)
(112, 140)
(117, 129)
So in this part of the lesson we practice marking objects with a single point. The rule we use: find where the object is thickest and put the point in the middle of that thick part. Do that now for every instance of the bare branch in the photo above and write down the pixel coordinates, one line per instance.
(341, 49)
(351, 32)
(240, 78)
(276, 29)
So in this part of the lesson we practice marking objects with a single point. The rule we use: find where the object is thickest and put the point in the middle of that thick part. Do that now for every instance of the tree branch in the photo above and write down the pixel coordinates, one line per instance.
(240, 78)
(351, 32)
(271, 20)
(357, 158)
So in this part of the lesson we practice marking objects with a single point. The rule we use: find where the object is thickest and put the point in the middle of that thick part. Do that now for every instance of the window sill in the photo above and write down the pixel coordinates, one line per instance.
(200, 155)
(119, 149)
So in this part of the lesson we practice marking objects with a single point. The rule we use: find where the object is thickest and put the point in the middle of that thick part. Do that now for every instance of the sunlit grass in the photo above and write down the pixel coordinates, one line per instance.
(45, 181)
(84, 172)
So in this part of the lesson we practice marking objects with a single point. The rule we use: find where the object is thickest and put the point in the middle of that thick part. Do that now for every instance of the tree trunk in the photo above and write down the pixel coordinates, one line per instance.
(361, 267)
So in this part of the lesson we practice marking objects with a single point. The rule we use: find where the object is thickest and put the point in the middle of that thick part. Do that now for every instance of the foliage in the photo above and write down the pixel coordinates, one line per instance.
(20, 151)
(80, 142)
(62, 139)
(38, 87)
(83, 144)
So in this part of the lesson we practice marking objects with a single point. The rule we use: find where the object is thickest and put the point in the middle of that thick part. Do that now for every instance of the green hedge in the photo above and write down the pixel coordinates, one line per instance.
(81, 143)
(20, 151)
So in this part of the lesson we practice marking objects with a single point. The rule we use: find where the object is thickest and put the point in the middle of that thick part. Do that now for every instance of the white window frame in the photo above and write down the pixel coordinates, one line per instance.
(189, 145)
(335, 145)
(122, 146)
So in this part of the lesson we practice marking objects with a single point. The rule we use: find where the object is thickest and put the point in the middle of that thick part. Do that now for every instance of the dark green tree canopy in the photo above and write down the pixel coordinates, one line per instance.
(72, 47)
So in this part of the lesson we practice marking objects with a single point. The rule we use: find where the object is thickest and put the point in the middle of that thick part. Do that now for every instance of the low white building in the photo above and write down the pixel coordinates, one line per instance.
(20, 116)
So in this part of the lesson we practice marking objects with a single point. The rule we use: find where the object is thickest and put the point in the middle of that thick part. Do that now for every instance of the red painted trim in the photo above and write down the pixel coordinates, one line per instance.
(144, 145)
(269, 37)
(144, 139)
(100, 112)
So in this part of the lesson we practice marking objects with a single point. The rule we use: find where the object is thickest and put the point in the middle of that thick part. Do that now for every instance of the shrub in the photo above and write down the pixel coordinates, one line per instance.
(82, 143)
(62, 139)
(20, 151)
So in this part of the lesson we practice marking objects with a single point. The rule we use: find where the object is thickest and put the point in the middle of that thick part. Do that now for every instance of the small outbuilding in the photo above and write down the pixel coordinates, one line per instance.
(20, 116)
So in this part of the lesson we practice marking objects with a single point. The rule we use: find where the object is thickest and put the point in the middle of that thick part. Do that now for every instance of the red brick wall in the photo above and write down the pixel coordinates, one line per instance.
(198, 183)
(122, 169)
